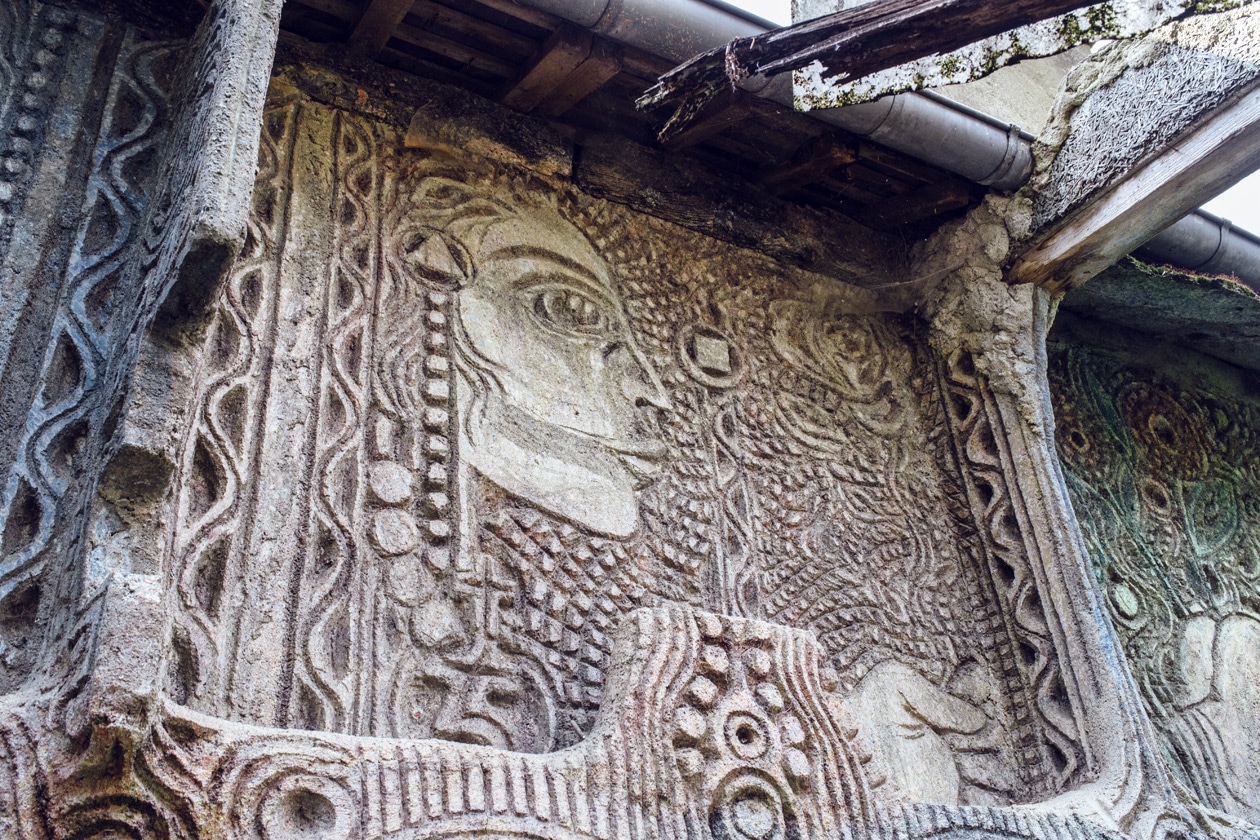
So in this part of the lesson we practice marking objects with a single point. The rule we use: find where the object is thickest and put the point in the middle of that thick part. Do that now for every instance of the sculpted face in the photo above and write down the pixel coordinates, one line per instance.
(562, 406)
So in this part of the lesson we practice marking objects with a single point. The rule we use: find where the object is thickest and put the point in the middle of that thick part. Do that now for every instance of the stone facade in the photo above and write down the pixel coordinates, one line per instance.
(430, 493)
(1161, 467)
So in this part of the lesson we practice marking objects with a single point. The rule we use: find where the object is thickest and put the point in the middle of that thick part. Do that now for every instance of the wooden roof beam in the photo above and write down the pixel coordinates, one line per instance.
(377, 25)
(813, 161)
(570, 66)
(1188, 98)
(1153, 196)
(921, 204)
(602, 64)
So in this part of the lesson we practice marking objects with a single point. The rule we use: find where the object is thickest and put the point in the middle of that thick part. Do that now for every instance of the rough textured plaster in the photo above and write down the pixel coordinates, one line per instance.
(1198, 64)
(468, 503)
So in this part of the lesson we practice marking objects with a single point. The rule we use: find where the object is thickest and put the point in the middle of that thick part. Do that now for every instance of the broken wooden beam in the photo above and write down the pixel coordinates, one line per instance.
(813, 161)
(728, 108)
(854, 42)
(377, 25)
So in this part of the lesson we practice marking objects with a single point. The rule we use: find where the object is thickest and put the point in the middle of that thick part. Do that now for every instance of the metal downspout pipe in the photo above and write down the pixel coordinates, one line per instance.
(924, 125)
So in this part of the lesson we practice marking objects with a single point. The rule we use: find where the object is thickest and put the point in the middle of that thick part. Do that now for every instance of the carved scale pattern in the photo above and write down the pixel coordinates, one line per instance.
(338, 521)
(1162, 473)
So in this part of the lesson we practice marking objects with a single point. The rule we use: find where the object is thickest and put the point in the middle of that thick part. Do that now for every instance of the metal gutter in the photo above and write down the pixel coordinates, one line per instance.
(1207, 244)
(924, 125)
(930, 128)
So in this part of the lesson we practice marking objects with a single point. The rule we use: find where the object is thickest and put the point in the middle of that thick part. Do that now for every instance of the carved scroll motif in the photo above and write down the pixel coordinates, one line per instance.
(1049, 742)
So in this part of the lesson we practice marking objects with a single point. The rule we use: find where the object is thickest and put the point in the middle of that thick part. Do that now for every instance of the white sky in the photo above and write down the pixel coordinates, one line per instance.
(775, 11)
(1241, 205)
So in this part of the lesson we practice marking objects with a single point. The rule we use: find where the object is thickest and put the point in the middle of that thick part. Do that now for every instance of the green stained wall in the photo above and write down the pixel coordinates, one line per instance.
(1160, 446)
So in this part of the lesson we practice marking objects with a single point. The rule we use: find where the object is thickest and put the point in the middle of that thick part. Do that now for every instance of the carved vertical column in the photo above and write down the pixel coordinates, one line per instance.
(990, 340)
(162, 199)
(195, 221)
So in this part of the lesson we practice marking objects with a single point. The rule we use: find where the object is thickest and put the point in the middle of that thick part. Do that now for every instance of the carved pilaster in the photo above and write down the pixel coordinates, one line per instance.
(990, 339)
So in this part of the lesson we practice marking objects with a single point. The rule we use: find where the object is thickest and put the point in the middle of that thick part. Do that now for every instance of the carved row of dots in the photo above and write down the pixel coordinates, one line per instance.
(394, 528)
(31, 106)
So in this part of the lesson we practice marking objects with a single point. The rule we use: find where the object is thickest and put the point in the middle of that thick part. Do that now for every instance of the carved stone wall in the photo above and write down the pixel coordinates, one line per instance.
(451, 424)
(84, 108)
(371, 471)
(1160, 451)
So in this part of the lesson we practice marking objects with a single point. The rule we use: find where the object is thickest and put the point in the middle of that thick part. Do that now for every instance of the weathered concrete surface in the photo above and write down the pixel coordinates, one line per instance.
(505, 487)
(817, 87)
(1213, 315)
(1158, 446)
(1022, 94)
(1189, 97)
(1198, 65)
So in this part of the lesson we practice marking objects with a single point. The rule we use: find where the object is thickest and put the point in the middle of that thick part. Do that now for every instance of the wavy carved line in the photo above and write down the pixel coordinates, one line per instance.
(339, 594)
(251, 323)
(1013, 583)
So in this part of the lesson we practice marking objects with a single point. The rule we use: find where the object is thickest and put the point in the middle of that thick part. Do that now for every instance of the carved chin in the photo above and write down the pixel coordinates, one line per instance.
(600, 496)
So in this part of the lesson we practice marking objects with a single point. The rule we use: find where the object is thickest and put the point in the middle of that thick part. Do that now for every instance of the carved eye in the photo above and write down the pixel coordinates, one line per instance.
(571, 311)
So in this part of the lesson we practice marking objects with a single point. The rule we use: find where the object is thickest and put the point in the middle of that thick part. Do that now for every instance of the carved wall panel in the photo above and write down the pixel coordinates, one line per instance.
(454, 424)
(83, 111)
(1161, 464)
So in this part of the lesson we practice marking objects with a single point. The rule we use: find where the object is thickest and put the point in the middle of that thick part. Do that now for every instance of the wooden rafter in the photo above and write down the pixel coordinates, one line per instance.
(918, 205)
(1152, 196)
(603, 62)
(570, 66)
(377, 24)
(814, 160)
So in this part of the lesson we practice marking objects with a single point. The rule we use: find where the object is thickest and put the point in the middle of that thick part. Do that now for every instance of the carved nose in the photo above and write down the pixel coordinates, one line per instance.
(643, 387)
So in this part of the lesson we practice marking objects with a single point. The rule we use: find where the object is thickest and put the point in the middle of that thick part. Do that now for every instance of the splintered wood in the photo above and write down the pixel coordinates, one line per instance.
(863, 53)
(855, 42)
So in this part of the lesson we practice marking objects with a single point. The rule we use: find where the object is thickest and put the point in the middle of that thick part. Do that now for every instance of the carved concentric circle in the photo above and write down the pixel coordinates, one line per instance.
(305, 807)
(749, 807)
(1172, 439)
(747, 736)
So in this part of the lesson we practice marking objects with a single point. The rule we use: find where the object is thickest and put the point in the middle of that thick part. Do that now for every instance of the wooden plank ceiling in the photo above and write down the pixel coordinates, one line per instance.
(535, 62)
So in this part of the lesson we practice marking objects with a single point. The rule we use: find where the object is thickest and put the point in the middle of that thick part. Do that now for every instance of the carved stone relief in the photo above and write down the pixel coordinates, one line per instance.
(461, 503)
(1161, 468)
(446, 438)
(61, 338)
